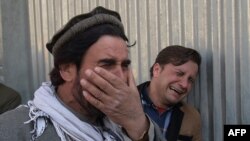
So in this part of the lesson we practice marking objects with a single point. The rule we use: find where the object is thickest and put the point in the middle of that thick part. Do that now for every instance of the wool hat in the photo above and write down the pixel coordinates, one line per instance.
(82, 23)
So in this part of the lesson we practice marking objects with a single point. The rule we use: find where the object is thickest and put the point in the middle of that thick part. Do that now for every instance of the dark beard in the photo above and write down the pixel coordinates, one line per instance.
(92, 112)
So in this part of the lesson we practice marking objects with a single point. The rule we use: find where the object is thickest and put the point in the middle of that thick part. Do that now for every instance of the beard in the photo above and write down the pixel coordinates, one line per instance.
(89, 109)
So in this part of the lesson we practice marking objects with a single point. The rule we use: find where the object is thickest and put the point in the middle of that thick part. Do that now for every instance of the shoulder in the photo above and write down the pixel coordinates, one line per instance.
(191, 118)
(191, 122)
(18, 114)
(189, 110)
(12, 125)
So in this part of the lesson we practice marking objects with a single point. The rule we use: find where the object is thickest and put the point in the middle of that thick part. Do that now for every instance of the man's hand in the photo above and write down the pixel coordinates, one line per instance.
(119, 100)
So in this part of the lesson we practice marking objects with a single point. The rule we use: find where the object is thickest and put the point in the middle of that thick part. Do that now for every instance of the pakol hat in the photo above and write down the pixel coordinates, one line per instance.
(81, 23)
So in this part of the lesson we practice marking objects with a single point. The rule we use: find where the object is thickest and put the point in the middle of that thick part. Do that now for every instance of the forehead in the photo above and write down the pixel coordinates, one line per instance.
(109, 47)
(188, 67)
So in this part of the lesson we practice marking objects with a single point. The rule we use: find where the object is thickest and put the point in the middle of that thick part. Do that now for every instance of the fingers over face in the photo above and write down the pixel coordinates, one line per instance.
(93, 90)
(109, 77)
(110, 83)
(92, 100)
(98, 81)
(99, 99)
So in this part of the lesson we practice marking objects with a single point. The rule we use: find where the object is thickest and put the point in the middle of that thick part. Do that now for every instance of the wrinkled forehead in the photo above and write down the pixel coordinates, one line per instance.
(109, 47)
(189, 67)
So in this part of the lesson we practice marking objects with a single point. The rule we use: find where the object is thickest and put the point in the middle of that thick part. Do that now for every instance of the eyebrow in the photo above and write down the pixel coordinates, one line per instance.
(113, 61)
(110, 61)
(128, 62)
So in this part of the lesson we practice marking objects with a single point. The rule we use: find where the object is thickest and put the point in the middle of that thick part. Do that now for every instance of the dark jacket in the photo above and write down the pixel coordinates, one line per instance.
(9, 98)
(185, 122)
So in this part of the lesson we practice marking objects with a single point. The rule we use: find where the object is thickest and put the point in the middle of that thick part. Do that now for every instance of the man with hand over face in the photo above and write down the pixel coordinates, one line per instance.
(92, 95)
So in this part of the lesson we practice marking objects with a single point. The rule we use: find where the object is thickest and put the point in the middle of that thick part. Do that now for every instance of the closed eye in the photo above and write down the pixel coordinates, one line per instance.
(107, 63)
(179, 73)
(191, 80)
(126, 64)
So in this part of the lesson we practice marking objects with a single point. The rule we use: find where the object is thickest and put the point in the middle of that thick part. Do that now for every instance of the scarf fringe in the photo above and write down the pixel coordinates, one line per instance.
(40, 120)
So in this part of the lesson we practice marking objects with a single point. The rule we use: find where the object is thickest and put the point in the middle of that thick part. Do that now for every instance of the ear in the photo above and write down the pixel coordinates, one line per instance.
(68, 72)
(156, 69)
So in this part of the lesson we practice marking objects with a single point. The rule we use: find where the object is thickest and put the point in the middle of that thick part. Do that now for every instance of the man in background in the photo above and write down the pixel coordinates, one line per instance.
(172, 76)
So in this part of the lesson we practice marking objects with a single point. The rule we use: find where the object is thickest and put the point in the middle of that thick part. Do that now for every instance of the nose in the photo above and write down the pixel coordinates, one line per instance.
(184, 83)
(120, 72)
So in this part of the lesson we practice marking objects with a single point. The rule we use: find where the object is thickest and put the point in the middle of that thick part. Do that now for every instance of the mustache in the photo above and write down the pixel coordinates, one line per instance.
(90, 109)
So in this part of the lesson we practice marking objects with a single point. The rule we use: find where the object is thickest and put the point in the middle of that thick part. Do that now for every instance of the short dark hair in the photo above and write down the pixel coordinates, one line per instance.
(73, 50)
(176, 55)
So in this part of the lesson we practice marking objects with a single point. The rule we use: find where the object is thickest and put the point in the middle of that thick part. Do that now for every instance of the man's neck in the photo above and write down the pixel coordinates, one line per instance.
(153, 95)
(70, 102)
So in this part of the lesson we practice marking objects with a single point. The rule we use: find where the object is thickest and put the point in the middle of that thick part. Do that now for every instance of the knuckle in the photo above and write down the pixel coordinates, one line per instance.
(104, 87)
(116, 103)
(99, 95)
(97, 103)
(113, 79)
(117, 91)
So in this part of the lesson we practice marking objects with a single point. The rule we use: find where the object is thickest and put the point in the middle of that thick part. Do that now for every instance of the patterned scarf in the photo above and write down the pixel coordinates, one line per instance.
(45, 106)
